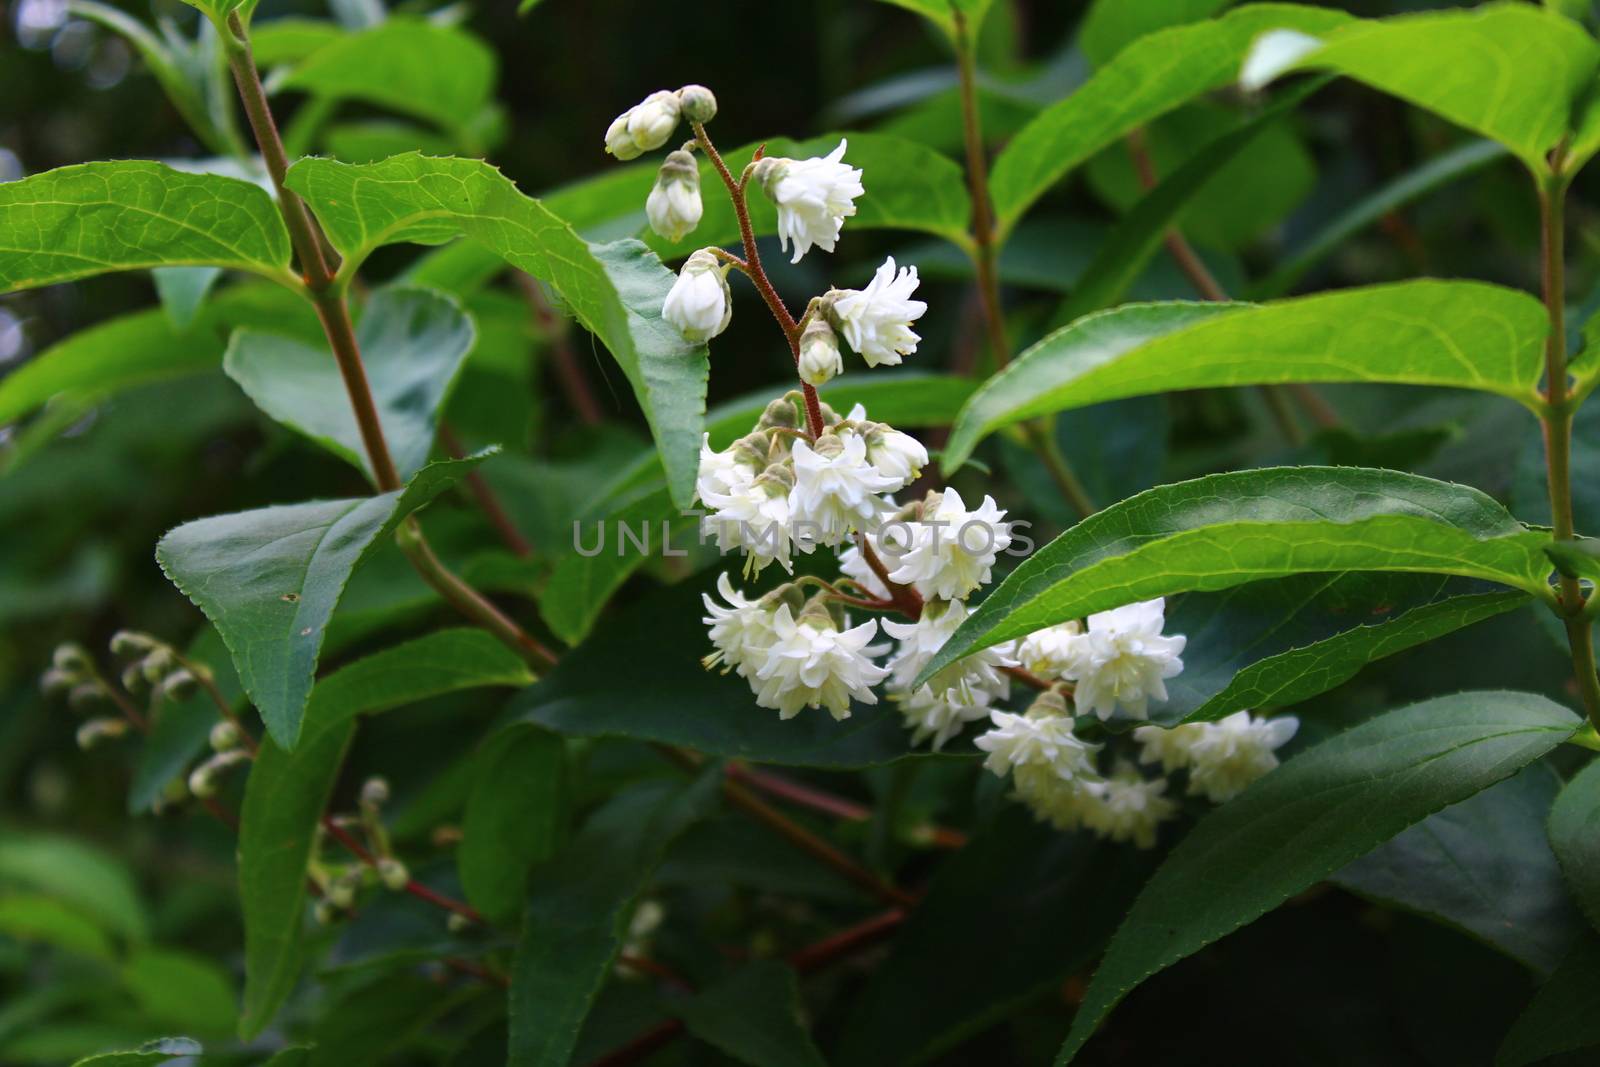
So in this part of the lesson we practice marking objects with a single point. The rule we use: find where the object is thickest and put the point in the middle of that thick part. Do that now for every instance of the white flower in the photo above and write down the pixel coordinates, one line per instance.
(673, 206)
(896, 455)
(754, 518)
(877, 320)
(1037, 737)
(952, 550)
(722, 473)
(1169, 747)
(813, 196)
(699, 303)
(939, 716)
(1234, 752)
(1046, 652)
(1129, 807)
(1123, 660)
(819, 353)
(810, 663)
(652, 120)
(1060, 799)
(970, 679)
(836, 490)
(741, 632)
(618, 142)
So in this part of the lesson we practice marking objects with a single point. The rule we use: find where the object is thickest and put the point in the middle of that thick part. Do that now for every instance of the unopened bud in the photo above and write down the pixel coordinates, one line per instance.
(342, 893)
(819, 353)
(374, 793)
(699, 303)
(781, 412)
(698, 103)
(393, 874)
(458, 923)
(131, 643)
(178, 685)
(72, 658)
(652, 120)
(325, 913)
(673, 206)
(618, 143)
(55, 681)
(155, 666)
(224, 736)
(94, 731)
(85, 695)
(1050, 702)
(202, 781)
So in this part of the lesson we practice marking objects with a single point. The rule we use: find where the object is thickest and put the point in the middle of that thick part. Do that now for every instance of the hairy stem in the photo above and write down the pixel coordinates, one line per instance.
(1557, 419)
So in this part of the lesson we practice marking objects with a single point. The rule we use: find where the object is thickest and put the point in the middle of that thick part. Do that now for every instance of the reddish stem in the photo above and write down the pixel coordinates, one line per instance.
(486, 499)
(414, 887)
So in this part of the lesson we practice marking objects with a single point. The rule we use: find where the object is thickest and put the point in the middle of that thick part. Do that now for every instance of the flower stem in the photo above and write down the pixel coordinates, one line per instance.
(1557, 420)
(986, 252)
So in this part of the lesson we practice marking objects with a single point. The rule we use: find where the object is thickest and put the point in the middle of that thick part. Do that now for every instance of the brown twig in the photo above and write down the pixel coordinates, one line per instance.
(488, 502)
(569, 372)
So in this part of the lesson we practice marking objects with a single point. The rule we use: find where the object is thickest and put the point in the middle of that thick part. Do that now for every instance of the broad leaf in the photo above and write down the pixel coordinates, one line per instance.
(79, 221)
(414, 66)
(36, 919)
(160, 1050)
(183, 291)
(1482, 866)
(1575, 836)
(579, 909)
(587, 696)
(1276, 643)
(77, 876)
(287, 793)
(1462, 334)
(516, 817)
(1228, 529)
(413, 344)
(1309, 818)
(1112, 25)
(615, 290)
(181, 991)
(753, 1015)
(270, 579)
(1564, 1015)
(1509, 71)
(1150, 77)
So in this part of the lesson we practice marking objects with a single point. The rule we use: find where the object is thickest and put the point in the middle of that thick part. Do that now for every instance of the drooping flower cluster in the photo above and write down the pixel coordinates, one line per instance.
(804, 478)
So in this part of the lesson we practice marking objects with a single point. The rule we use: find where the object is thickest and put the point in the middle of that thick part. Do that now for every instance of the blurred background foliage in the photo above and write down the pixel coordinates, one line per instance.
(117, 928)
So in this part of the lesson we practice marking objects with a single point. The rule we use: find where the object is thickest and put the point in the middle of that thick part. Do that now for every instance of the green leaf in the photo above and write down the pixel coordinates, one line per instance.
(1574, 824)
(1276, 643)
(183, 291)
(1150, 77)
(287, 792)
(1112, 25)
(181, 728)
(413, 344)
(1462, 334)
(579, 910)
(1227, 529)
(88, 219)
(1435, 173)
(1482, 866)
(133, 350)
(179, 990)
(515, 818)
(587, 696)
(1309, 818)
(1579, 558)
(417, 67)
(269, 580)
(1511, 72)
(753, 1015)
(1008, 937)
(158, 1051)
(1564, 1015)
(31, 918)
(615, 290)
(291, 39)
(76, 875)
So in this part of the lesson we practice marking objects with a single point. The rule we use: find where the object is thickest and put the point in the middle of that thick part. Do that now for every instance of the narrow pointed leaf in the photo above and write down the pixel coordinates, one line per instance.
(753, 1015)
(413, 344)
(615, 290)
(1575, 836)
(1319, 811)
(1228, 529)
(93, 218)
(270, 579)
(287, 792)
(1465, 335)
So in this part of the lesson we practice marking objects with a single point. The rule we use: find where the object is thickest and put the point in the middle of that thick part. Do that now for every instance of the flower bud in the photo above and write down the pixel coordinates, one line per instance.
(131, 643)
(393, 874)
(202, 781)
(374, 793)
(781, 412)
(325, 913)
(85, 695)
(819, 353)
(1049, 702)
(458, 923)
(94, 731)
(156, 665)
(673, 206)
(133, 677)
(72, 659)
(224, 736)
(652, 120)
(178, 685)
(618, 143)
(55, 681)
(700, 303)
(698, 103)
(342, 893)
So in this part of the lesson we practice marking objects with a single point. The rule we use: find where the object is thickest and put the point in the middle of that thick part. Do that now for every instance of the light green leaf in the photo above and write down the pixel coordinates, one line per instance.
(76, 875)
(1511, 72)
(1227, 529)
(88, 219)
(45, 920)
(1150, 77)
(415, 66)
(179, 990)
(291, 39)
(615, 290)
(183, 291)
(1112, 25)
(219, 10)
(287, 793)
(1458, 334)
(144, 347)
(1574, 826)
(270, 579)
(413, 344)
(1482, 866)
(1309, 818)
(1564, 1015)
(579, 910)
(516, 817)
(1579, 558)
(753, 1015)
(160, 1050)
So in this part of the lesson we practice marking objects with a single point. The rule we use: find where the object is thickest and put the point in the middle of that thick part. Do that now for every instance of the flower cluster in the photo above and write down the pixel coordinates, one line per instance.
(806, 478)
